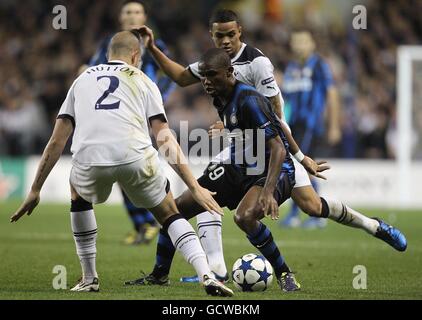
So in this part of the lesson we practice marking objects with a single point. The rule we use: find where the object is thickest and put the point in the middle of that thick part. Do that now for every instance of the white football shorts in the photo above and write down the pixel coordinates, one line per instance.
(143, 181)
(301, 175)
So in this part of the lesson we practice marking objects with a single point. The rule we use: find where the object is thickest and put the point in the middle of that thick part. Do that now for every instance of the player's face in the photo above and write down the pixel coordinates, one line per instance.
(227, 37)
(132, 16)
(215, 80)
(302, 44)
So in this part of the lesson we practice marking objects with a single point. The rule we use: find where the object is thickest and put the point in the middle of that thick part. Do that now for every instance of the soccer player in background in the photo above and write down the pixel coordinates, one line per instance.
(133, 15)
(309, 91)
(103, 104)
(252, 67)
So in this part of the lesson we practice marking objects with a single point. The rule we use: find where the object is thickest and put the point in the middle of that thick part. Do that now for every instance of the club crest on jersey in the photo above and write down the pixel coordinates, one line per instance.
(233, 119)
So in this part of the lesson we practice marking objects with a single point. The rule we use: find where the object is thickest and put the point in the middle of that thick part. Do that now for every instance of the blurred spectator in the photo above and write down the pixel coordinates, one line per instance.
(40, 63)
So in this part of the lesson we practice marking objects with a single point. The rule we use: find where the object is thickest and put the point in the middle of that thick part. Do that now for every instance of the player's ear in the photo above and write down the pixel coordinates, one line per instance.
(230, 71)
(240, 30)
(135, 57)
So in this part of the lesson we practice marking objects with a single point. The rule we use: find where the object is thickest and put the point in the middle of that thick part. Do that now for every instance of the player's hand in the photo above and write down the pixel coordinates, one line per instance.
(315, 168)
(27, 206)
(205, 198)
(334, 136)
(268, 204)
(147, 36)
(215, 129)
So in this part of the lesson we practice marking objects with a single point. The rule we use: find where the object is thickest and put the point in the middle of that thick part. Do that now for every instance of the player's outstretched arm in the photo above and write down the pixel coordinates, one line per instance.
(172, 69)
(62, 131)
(171, 150)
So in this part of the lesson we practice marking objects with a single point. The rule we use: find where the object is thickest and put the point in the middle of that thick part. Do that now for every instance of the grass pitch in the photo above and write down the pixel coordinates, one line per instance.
(323, 259)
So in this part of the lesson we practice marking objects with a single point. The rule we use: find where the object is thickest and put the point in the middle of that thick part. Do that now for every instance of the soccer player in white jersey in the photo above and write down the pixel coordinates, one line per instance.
(110, 108)
(253, 68)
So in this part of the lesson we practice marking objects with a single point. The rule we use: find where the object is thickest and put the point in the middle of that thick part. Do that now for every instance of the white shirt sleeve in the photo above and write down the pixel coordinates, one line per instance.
(67, 110)
(194, 69)
(154, 102)
(262, 71)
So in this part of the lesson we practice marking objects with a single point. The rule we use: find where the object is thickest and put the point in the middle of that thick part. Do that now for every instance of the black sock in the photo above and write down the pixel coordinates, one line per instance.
(264, 242)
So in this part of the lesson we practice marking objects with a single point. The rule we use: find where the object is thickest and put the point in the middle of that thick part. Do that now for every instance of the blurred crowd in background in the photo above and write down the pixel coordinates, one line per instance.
(39, 63)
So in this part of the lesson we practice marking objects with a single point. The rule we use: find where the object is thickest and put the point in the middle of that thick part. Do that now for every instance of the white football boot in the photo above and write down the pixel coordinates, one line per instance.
(82, 286)
(214, 287)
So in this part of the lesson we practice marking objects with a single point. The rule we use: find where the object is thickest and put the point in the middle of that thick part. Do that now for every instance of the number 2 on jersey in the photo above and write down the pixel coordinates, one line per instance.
(114, 84)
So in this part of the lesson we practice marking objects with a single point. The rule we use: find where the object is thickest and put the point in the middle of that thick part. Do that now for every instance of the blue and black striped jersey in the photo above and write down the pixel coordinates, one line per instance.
(248, 109)
(305, 92)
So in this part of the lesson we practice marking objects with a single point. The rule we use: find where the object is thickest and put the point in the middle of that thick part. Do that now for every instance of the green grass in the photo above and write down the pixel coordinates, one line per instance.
(323, 259)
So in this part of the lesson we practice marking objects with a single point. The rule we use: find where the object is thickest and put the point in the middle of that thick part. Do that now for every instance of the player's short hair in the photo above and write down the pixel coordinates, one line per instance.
(217, 58)
(300, 29)
(142, 3)
(123, 44)
(222, 16)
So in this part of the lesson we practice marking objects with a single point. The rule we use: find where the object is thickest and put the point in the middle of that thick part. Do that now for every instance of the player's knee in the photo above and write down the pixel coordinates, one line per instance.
(240, 220)
(245, 219)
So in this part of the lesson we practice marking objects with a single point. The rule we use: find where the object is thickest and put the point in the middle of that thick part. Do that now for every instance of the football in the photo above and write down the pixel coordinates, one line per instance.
(252, 273)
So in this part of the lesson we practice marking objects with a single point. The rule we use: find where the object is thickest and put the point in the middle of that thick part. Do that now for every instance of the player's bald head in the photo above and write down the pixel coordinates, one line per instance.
(215, 58)
(123, 45)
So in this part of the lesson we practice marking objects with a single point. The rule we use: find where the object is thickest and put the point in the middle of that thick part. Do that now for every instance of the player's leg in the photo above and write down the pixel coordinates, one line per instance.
(145, 226)
(189, 208)
(92, 185)
(314, 222)
(324, 207)
(84, 228)
(146, 188)
(218, 178)
(185, 240)
(209, 228)
(247, 217)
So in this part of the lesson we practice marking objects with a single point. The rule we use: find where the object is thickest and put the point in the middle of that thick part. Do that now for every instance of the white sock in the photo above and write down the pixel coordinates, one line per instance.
(347, 216)
(84, 227)
(209, 232)
(187, 243)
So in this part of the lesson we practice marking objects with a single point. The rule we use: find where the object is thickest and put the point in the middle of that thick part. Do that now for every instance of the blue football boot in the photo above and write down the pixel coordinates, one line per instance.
(288, 282)
(195, 279)
(391, 235)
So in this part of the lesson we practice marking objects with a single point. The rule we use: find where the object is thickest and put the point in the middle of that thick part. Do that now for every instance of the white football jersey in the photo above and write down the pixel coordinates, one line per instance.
(252, 67)
(111, 105)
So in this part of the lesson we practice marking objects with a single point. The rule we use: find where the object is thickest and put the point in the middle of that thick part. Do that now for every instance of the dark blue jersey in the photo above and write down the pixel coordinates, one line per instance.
(149, 66)
(305, 91)
(248, 109)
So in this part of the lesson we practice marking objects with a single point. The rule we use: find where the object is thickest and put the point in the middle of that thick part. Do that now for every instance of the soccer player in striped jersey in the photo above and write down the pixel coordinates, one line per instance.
(133, 14)
(255, 185)
(253, 68)
(110, 109)
(310, 93)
